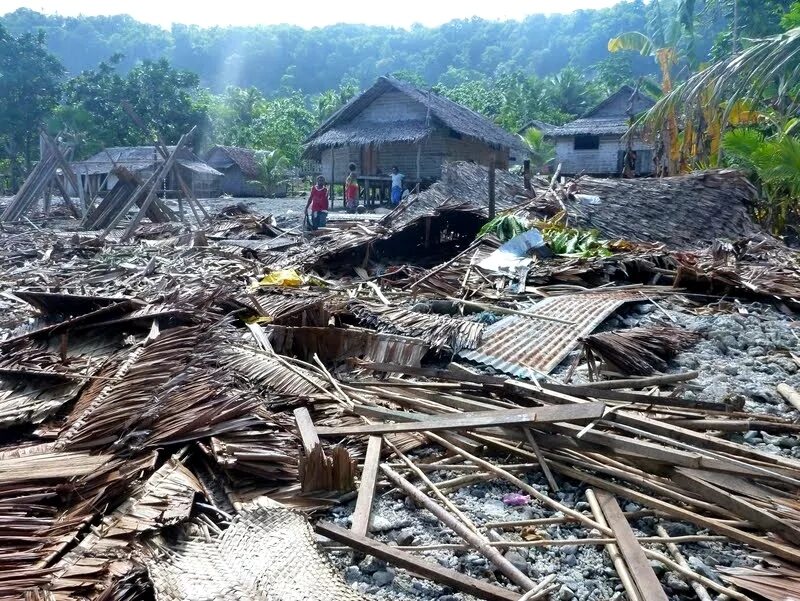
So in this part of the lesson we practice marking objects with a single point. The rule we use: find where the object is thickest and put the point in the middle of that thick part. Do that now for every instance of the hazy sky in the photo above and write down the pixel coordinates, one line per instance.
(400, 13)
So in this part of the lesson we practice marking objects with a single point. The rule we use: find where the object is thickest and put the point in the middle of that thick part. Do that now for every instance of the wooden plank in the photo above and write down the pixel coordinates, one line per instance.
(644, 382)
(366, 488)
(700, 439)
(639, 567)
(479, 419)
(460, 582)
(737, 505)
(428, 372)
(787, 552)
(308, 433)
(633, 397)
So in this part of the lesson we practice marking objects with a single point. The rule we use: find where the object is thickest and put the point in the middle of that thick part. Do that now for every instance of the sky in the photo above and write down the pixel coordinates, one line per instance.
(314, 13)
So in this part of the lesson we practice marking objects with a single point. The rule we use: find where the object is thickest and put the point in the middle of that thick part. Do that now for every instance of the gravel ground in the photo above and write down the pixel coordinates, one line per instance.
(745, 354)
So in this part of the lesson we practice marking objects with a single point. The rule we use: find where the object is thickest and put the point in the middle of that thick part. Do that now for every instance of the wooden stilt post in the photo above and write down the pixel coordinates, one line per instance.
(492, 164)
(526, 173)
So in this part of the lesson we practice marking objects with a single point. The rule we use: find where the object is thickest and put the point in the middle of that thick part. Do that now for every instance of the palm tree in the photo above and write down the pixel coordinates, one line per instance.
(272, 170)
(540, 150)
(664, 46)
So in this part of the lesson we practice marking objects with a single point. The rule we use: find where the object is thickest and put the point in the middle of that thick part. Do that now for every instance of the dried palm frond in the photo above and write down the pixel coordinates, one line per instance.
(440, 331)
(272, 373)
(641, 351)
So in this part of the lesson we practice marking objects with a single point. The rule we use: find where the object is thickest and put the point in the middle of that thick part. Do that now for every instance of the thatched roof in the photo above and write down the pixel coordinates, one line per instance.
(685, 211)
(138, 158)
(244, 158)
(339, 131)
(463, 187)
(608, 118)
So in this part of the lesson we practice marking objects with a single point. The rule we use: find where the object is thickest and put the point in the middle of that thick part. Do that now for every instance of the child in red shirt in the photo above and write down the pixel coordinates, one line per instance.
(318, 201)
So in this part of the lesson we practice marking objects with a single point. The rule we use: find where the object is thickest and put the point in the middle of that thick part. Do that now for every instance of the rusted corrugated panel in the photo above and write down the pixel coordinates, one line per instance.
(521, 346)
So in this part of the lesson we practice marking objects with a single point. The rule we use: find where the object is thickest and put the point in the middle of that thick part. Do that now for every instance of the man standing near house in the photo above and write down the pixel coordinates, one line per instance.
(397, 185)
(318, 201)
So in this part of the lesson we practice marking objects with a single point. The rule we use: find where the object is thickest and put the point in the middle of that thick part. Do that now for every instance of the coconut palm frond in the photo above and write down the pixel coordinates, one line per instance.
(746, 75)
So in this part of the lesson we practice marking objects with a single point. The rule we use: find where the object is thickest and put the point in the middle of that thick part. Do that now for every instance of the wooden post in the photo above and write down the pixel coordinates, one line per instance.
(333, 173)
(492, 164)
(526, 174)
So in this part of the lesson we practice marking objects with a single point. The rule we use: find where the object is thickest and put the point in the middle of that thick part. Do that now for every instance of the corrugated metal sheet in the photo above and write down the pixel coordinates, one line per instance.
(521, 346)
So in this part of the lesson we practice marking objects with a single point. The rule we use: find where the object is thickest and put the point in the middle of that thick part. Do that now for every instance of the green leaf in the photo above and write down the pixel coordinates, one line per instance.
(634, 41)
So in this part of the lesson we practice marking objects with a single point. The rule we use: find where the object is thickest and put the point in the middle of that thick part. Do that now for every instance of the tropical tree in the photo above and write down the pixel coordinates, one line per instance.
(540, 150)
(758, 84)
(773, 160)
(29, 89)
(672, 40)
(273, 169)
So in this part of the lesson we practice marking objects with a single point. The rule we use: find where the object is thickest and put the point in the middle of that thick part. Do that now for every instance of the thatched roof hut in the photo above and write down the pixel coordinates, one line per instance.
(395, 123)
(593, 143)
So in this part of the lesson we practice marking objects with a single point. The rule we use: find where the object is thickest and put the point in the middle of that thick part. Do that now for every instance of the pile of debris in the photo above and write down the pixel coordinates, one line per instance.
(181, 413)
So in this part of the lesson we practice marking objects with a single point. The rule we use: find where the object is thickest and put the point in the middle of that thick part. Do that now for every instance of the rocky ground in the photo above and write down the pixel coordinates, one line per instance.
(746, 352)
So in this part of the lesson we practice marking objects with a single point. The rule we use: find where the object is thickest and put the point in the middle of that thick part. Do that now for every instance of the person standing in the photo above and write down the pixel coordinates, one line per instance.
(318, 201)
(397, 185)
(351, 191)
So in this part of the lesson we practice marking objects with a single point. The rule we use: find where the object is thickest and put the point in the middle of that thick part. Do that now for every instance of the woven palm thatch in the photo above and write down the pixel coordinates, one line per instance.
(103, 556)
(168, 390)
(339, 131)
(441, 331)
(641, 351)
(266, 554)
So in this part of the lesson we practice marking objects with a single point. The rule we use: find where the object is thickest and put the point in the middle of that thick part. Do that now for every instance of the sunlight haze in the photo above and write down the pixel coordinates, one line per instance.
(313, 14)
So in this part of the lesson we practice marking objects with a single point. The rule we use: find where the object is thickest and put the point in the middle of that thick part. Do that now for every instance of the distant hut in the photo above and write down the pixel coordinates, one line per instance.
(593, 144)
(395, 123)
(239, 168)
(95, 173)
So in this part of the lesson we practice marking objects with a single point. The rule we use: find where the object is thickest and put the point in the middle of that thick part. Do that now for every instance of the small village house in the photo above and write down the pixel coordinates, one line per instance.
(239, 168)
(96, 173)
(395, 123)
(593, 144)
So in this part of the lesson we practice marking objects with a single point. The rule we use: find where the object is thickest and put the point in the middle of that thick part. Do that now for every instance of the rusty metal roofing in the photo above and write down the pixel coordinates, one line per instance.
(522, 346)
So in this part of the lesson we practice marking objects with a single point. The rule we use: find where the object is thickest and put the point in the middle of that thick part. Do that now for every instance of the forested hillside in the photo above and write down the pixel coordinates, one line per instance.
(278, 58)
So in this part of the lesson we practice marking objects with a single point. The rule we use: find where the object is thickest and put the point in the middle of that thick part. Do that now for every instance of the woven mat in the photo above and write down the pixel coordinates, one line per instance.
(267, 553)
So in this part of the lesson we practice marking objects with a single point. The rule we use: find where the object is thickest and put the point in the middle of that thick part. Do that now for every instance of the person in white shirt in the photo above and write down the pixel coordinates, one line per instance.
(397, 185)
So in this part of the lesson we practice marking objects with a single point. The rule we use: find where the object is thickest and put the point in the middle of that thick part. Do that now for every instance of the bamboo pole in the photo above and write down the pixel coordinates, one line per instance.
(433, 488)
(699, 589)
(488, 551)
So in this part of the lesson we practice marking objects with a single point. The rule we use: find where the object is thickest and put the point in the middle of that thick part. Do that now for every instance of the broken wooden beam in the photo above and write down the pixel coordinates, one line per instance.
(460, 582)
(693, 480)
(613, 551)
(479, 419)
(638, 565)
(644, 382)
(366, 488)
(305, 426)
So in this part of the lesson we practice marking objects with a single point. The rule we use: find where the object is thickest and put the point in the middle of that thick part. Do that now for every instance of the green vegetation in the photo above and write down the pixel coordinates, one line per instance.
(272, 167)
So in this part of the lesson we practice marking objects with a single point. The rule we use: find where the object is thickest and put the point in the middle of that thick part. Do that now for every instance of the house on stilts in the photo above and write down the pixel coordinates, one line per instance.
(394, 123)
